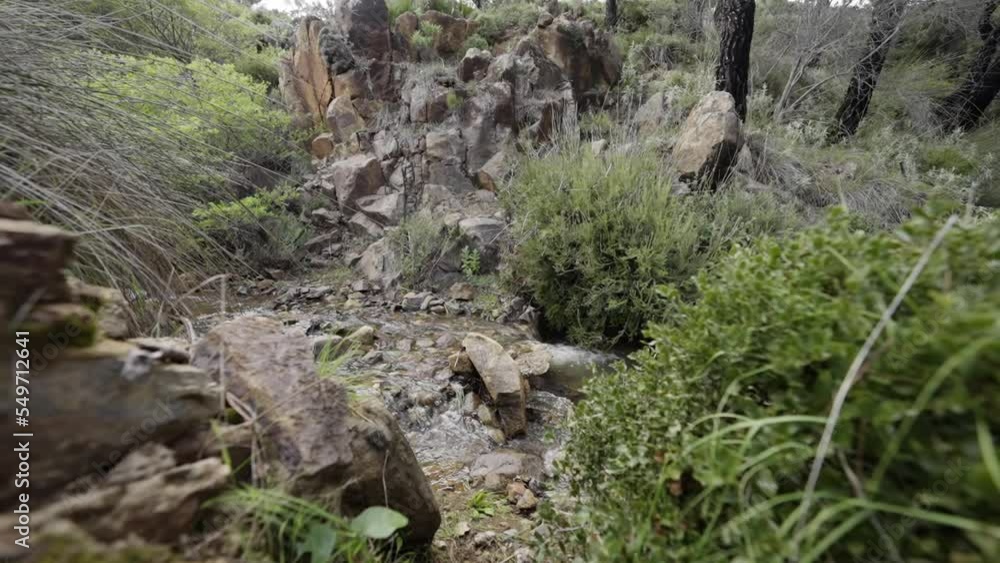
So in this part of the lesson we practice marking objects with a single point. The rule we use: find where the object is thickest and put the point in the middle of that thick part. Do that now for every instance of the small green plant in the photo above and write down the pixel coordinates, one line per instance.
(475, 41)
(427, 35)
(483, 504)
(420, 242)
(470, 261)
(289, 528)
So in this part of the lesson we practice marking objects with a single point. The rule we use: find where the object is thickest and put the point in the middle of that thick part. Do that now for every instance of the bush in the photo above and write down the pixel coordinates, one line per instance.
(475, 41)
(259, 228)
(700, 452)
(507, 20)
(420, 241)
(597, 236)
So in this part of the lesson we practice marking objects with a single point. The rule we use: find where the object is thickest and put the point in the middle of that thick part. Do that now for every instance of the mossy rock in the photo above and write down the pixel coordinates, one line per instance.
(64, 324)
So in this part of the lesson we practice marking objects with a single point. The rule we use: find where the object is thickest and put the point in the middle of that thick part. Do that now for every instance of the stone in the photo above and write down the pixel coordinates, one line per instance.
(354, 178)
(450, 175)
(348, 457)
(493, 172)
(325, 216)
(484, 539)
(407, 24)
(323, 145)
(170, 350)
(484, 234)
(412, 301)
(385, 210)
(653, 114)
(544, 95)
(460, 364)
(304, 76)
(474, 64)
(435, 195)
(445, 144)
(363, 337)
(488, 120)
(429, 104)
(380, 264)
(365, 25)
(385, 144)
(32, 258)
(462, 291)
(331, 342)
(508, 465)
(114, 319)
(485, 415)
(157, 508)
(362, 225)
(454, 31)
(598, 147)
(544, 20)
(122, 397)
(534, 363)
(351, 84)
(502, 379)
(709, 141)
(514, 491)
(343, 119)
(404, 345)
(527, 502)
(588, 55)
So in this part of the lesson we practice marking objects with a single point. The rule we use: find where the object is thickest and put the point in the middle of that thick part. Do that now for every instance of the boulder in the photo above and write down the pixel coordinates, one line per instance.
(454, 31)
(488, 121)
(429, 104)
(362, 225)
(483, 234)
(709, 141)
(365, 25)
(543, 95)
(32, 258)
(508, 464)
(156, 506)
(122, 397)
(450, 175)
(588, 55)
(502, 379)
(113, 316)
(343, 119)
(323, 145)
(407, 24)
(445, 144)
(354, 178)
(351, 84)
(380, 264)
(462, 291)
(493, 172)
(654, 113)
(385, 209)
(474, 64)
(354, 456)
(304, 76)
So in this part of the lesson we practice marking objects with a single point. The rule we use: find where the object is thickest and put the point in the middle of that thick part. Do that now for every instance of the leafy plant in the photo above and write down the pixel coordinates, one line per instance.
(427, 35)
(475, 41)
(470, 261)
(597, 236)
(289, 528)
(483, 504)
(700, 452)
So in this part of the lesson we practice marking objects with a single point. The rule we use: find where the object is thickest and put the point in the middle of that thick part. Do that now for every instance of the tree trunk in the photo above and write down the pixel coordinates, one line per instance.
(966, 105)
(610, 13)
(886, 15)
(734, 20)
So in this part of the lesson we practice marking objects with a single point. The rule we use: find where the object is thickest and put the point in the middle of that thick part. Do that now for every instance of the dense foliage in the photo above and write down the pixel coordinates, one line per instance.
(598, 235)
(700, 452)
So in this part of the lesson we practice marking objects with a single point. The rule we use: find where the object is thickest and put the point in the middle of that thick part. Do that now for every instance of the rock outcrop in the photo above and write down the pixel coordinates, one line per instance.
(311, 437)
(586, 54)
(502, 379)
(710, 140)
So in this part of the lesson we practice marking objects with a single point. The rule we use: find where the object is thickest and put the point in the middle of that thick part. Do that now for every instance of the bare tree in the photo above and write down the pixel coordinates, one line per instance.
(734, 20)
(886, 15)
(966, 105)
(610, 13)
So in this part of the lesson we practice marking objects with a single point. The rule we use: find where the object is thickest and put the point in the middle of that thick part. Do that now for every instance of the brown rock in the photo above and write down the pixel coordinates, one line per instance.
(407, 24)
(343, 119)
(354, 178)
(588, 55)
(32, 258)
(474, 64)
(365, 25)
(502, 379)
(323, 145)
(454, 31)
(352, 456)
(709, 141)
(304, 78)
(352, 84)
(460, 364)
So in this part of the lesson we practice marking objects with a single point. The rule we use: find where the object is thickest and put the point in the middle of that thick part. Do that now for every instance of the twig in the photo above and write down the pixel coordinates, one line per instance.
(841, 397)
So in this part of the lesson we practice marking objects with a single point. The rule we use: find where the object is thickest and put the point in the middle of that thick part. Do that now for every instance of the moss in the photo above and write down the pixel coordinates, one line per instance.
(66, 324)
(947, 158)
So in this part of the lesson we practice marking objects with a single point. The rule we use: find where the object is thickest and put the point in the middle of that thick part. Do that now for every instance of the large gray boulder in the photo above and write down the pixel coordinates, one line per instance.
(709, 141)
(502, 379)
(90, 407)
(355, 177)
(351, 455)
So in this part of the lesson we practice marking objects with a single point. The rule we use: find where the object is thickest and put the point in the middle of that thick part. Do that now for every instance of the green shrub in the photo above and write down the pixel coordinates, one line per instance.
(475, 41)
(397, 7)
(261, 66)
(700, 452)
(426, 35)
(259, 228)
(947, 158)
(597, 236)
(506, 20)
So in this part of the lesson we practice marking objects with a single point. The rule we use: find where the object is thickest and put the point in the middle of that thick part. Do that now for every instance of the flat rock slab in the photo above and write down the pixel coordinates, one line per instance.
(502, 378)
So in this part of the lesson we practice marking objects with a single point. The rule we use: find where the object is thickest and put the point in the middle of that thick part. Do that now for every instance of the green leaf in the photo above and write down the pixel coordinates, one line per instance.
(319, 543)
(378, 522)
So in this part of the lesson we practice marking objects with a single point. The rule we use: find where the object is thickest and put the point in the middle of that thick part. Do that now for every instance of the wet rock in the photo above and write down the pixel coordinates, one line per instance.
(343, 119)
(460, 364)
(354, 178)
(474, 64)
(709, 141)
(508, 465)
(502, 379)
(135, 396)
(354, 457)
